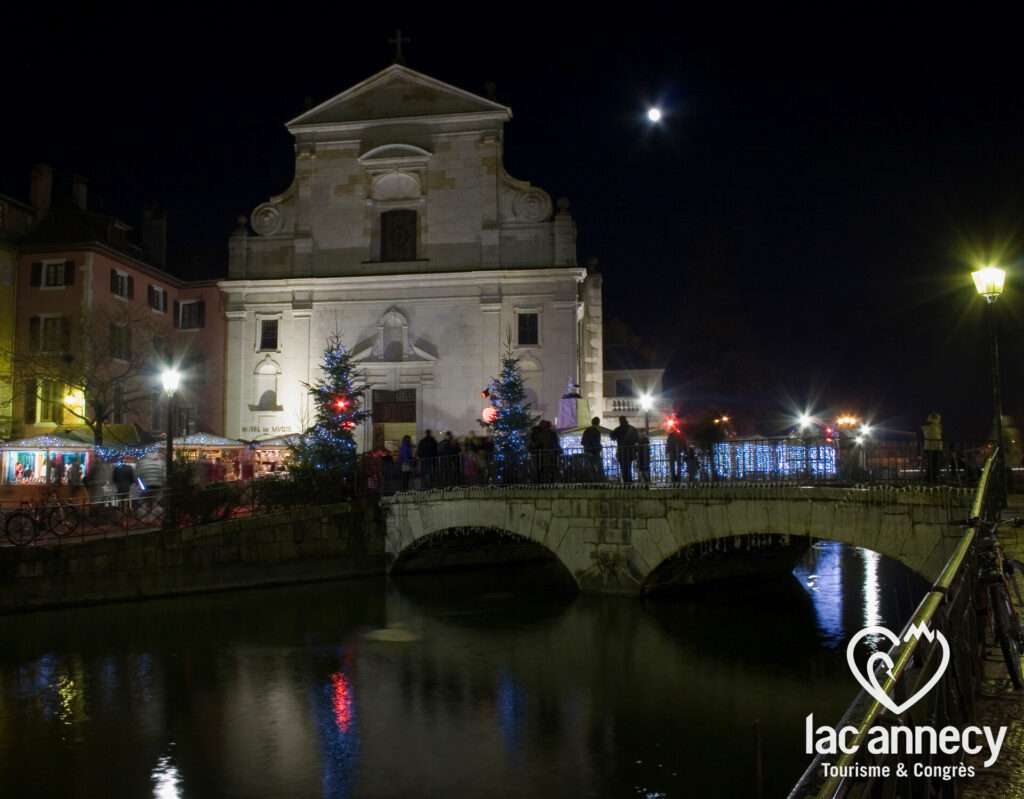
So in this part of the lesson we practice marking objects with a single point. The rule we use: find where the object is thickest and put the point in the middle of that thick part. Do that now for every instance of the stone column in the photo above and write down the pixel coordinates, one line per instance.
(234, 369)
(592, 379)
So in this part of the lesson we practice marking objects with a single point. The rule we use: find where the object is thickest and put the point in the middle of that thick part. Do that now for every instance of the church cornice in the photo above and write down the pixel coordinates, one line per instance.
(438, 279)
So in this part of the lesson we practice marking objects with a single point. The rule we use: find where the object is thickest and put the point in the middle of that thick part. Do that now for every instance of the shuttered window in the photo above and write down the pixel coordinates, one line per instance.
(398, 235)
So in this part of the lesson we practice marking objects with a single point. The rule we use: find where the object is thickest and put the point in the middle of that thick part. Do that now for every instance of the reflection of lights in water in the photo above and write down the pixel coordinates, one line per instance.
(334, 707)
(342, 701)
(511, 712)
(166, 780)
(825, 586)
(872, 592)
(66, 692)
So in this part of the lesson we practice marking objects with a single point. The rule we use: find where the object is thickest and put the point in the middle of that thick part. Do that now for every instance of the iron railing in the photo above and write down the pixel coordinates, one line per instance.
(950, 608)
(746, 460)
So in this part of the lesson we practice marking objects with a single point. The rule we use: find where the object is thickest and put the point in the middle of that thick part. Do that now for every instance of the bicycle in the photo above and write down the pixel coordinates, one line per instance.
(995, 575)
(20, 528)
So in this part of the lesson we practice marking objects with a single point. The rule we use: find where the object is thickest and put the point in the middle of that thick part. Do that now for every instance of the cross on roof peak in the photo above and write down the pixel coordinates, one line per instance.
(398, 40)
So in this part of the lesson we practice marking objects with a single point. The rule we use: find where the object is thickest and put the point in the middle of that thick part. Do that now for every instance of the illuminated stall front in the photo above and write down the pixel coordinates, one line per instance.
(42, 459)
(216, 457)
(271, 454)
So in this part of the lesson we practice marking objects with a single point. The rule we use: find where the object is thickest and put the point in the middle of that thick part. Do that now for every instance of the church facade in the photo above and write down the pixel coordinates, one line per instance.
(402, 232)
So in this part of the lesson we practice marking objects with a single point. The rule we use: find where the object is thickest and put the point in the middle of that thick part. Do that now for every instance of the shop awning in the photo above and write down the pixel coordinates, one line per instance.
(45, 443)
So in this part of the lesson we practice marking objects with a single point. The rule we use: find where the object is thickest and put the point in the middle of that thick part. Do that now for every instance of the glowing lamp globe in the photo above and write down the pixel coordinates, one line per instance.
(989, 282)
(646, 402)
(654, 115)
(170, 379)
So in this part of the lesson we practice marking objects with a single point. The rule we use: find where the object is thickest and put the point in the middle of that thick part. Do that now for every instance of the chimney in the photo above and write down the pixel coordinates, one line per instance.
(154, 235)
(41, 191)
(79, 191)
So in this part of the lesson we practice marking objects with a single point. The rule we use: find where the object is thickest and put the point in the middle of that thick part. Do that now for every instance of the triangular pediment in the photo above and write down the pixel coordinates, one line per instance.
(397, 93)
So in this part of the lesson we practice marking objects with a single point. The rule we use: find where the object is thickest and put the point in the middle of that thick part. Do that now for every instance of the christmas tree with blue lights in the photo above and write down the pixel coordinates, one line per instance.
(327, 450)
(510, 420)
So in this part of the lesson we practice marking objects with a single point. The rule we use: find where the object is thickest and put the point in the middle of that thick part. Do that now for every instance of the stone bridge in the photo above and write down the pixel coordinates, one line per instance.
(632, 540)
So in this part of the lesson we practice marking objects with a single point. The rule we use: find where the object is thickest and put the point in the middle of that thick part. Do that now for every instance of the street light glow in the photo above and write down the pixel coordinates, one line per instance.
(804, 421)
(654, 114)
(865, 430)
(170, 378)
(646, 402)
(989, 282)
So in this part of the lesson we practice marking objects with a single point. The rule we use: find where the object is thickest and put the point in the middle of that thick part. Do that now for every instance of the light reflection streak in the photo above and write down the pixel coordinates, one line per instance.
(872, 589)
(825, 586)
(166, 779)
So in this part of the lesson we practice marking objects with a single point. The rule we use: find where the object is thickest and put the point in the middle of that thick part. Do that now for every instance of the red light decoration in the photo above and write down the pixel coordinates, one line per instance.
(341, 404)
(489, 414)
(349, 424)
(671, 424)
(486, 393)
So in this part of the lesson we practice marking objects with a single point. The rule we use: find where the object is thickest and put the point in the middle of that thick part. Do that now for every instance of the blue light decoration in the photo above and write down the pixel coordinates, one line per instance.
(737, 459)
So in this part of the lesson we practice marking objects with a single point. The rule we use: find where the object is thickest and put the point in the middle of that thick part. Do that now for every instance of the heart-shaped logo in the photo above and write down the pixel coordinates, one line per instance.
(869, 681)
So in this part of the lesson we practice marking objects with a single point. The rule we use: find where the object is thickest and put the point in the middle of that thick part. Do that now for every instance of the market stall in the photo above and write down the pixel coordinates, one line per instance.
(270, 455)
(216, 458)
(44, 459)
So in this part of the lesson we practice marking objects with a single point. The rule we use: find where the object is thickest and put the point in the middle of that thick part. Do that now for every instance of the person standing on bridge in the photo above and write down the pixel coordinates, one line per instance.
(405, 458)
(592, 448)
(626, 439)
(932, 431)
(426, 454)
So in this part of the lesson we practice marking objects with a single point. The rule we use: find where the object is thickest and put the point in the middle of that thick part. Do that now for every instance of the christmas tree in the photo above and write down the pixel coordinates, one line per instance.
(327, 450)
(508, 419)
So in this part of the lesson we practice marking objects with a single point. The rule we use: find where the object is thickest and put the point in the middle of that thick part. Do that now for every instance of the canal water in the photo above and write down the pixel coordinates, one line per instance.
(486, 684)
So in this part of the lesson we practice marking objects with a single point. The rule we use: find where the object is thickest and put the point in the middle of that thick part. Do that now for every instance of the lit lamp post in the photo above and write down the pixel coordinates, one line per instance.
(646, 403)
(170, 378)
(989, 282)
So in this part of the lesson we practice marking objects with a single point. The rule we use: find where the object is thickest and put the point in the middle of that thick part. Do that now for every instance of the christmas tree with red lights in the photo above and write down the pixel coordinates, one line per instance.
(327, 449)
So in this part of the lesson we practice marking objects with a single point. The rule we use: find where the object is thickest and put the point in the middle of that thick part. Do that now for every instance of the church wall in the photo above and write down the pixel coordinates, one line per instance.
(455, 357)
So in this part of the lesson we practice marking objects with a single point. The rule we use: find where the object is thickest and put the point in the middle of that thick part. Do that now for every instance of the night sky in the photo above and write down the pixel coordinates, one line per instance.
(800, 227)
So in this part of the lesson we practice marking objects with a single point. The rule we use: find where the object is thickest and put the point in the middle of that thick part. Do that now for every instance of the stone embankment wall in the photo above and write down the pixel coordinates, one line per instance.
(302, 544)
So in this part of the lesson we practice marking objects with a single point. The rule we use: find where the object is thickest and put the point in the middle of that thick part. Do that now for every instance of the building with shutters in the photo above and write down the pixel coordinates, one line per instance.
(91, 302)
(403, 232)
(16, 219)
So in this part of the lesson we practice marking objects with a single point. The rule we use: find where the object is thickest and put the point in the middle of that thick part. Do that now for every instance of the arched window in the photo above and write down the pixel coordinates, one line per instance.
(398, 235)
(265, 378)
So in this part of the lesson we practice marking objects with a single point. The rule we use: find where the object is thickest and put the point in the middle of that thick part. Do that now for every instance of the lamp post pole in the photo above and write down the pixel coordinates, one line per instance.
(989, 282)
(170, 379)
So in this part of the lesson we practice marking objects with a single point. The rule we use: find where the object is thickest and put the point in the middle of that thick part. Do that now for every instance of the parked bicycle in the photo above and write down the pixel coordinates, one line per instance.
(54, 515)
(995, 576)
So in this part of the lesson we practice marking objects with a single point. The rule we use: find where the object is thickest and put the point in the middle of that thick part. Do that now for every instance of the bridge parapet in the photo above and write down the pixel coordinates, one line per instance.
(614, 538)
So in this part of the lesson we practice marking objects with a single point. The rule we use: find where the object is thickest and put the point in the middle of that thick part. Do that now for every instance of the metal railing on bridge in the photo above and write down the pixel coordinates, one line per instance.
(950, 607)
(749, 460)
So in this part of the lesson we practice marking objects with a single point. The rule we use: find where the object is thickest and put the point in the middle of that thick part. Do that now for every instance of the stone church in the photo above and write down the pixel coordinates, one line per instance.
(403, 231)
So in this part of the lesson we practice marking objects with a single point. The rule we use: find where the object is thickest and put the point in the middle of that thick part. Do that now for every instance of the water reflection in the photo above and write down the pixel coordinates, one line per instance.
(500, 690)
(166, 779)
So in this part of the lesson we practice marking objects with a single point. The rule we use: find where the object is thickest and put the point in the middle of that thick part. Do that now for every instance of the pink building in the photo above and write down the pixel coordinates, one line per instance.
(97, 308)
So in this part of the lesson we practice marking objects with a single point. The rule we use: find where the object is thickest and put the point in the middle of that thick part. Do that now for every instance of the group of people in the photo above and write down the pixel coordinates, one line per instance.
(634, 446)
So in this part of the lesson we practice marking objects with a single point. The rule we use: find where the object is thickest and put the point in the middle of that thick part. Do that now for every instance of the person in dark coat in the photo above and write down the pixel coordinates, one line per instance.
(692, 464)
(675, 449)
(626, 440)
(593, 448)
(405, 459)
(426, 454)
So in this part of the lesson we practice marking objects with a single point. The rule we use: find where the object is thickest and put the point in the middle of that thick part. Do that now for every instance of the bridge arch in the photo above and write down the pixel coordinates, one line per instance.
(461, 547)
(612, 539)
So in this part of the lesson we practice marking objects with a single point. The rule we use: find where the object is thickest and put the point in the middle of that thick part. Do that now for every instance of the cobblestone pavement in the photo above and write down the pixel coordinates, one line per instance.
(999, 703)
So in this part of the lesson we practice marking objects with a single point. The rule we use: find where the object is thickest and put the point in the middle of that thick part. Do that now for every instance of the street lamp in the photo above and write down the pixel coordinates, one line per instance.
(989, 282)
(170, 378)
(646, 403)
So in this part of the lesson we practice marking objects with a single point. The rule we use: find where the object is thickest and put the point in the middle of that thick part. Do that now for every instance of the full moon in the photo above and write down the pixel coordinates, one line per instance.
(654, 114)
